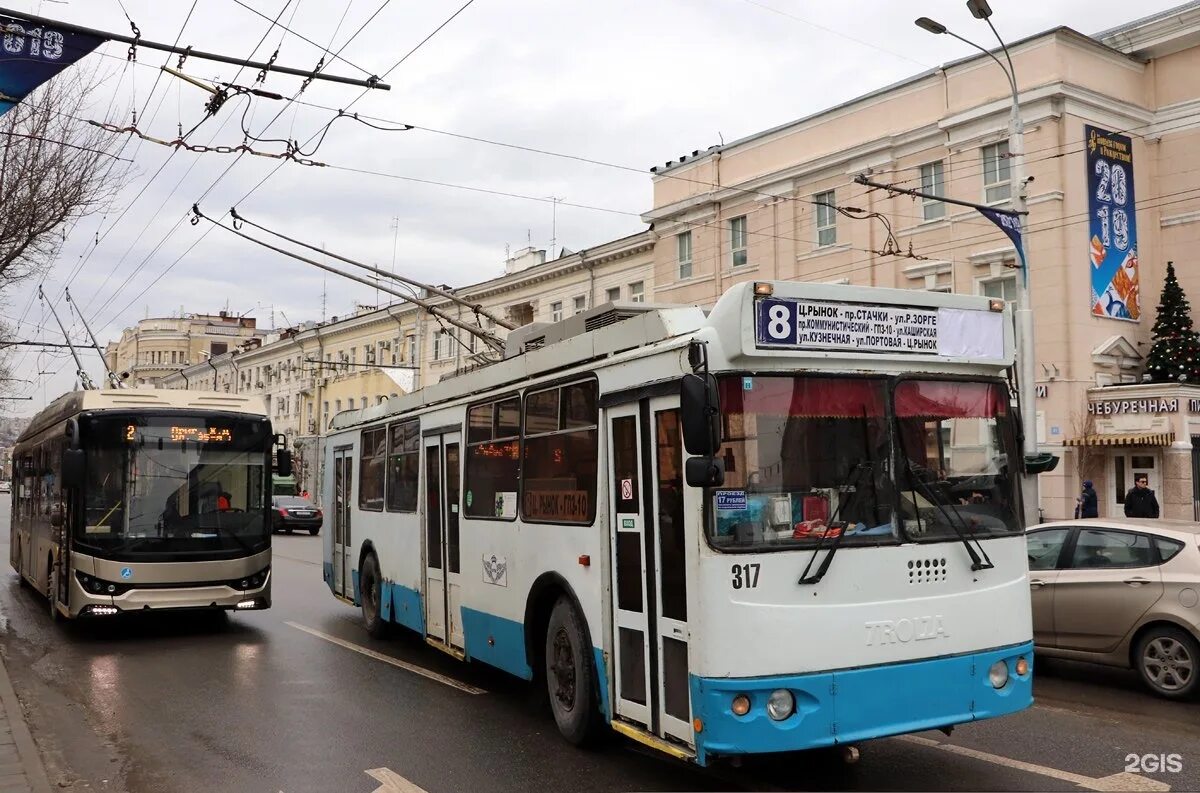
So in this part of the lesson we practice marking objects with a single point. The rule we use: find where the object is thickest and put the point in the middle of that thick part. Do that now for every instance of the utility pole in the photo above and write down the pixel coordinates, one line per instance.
(84, 379)
(113, 380)
(1026, 368)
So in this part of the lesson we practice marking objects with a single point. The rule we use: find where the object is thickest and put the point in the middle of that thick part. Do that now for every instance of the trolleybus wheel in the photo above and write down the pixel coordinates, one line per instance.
(21, 569)
(52, 590)
(571, 675)
(370, 588)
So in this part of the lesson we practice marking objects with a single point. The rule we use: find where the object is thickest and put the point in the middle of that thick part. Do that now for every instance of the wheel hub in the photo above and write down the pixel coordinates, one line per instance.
(563, 669)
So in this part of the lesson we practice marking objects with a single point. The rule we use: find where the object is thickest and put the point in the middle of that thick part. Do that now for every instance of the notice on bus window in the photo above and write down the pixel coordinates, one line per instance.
(506, 504)
(731, 500)
(855, 327)
(567, 506)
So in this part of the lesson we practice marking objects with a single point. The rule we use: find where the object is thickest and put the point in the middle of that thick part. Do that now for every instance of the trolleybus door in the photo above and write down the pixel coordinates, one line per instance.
(443, 584)
(343, 476)
(650, 592)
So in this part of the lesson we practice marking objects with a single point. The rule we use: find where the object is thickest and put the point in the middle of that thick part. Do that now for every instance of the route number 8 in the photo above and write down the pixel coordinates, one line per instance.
(779, 324)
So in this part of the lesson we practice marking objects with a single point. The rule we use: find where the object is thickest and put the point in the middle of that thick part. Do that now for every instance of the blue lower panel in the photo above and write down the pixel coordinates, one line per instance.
(602, 683)
(354, 578)
(858, 704)
(495, 641)
(402, 605)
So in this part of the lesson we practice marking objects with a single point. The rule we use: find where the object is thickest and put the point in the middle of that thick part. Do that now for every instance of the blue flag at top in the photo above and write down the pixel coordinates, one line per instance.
(1010, 225)
(31, 54)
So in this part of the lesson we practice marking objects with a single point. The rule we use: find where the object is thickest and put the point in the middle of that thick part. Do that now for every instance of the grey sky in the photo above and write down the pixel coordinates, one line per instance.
(626, 82)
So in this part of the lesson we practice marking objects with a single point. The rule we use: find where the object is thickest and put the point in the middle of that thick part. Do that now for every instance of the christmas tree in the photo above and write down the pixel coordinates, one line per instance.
(1175, 354)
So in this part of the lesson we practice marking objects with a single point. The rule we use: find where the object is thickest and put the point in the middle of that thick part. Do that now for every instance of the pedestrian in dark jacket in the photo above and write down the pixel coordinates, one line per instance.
(1088, 504)
(1140, 501)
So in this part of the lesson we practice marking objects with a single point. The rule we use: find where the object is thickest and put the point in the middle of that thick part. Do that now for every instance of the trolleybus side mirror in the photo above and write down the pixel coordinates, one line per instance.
(56, 516)
(704, 472)
(72, 467)
(283, 462)
(700, 409)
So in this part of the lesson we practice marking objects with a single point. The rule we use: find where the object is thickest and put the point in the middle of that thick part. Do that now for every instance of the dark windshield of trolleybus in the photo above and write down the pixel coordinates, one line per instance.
(806, 458)
(177, 484)
(955, 440)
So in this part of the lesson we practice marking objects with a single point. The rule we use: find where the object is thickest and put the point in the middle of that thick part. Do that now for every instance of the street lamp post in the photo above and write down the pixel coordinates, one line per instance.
(1024, 314)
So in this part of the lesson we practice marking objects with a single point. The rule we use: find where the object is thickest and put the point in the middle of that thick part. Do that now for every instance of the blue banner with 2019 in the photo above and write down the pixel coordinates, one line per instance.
(31, 54)
(1112, 225)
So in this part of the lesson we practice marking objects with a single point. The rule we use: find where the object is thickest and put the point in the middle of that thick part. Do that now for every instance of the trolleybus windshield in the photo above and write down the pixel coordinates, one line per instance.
(178, 484)
(808, 458)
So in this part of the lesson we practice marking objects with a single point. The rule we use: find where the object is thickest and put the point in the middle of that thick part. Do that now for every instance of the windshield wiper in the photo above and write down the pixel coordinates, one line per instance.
(852, 482)
(978, 562)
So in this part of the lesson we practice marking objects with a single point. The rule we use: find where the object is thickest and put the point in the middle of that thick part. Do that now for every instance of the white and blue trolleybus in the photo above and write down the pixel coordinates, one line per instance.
(790, 522)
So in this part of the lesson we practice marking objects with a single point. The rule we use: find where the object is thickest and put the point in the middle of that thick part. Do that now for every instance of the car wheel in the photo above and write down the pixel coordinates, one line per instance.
(370, 587)
(571, 675)
(1169, 662)
(287, 530)
(314, 531)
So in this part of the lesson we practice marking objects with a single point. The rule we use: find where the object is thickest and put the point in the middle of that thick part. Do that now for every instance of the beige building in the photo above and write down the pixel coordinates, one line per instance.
(159, 346)
(783, 204)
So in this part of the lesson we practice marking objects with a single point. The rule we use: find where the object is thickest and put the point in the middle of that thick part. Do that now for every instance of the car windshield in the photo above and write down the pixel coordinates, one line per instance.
(179, 484)
(955, 439)
(805, 458)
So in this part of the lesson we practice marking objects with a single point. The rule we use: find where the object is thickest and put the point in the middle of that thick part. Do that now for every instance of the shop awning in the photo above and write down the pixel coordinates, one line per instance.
(1128, 439)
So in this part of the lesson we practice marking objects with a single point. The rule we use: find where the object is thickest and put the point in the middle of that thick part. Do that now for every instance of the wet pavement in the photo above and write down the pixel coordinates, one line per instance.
(268, 701)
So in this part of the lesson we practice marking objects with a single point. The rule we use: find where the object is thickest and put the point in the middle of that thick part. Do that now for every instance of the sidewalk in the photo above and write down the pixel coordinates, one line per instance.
(21, 769)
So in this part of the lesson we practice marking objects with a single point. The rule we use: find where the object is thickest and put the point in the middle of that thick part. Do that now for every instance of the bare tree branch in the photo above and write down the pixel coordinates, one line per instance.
(55, 167)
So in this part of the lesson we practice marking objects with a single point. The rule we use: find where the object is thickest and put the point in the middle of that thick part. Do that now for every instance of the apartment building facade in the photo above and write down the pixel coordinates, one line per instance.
(159, 346)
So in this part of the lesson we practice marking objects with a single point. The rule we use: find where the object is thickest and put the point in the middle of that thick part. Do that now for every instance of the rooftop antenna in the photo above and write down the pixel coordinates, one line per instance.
(83, 375)
(554, 223)
(113, 380)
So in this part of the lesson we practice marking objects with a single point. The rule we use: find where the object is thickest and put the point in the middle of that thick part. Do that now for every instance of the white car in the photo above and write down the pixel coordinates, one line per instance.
(5, 486)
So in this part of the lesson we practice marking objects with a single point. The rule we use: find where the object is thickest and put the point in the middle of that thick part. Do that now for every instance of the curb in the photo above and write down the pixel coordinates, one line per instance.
(31, 760)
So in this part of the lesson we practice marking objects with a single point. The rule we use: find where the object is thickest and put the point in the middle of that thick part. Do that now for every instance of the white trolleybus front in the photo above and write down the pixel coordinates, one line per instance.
(790, 523)
(137, 500)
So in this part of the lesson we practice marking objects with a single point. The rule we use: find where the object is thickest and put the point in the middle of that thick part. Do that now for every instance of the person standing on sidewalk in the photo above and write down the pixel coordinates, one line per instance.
(1087, 505)
(1140, 501)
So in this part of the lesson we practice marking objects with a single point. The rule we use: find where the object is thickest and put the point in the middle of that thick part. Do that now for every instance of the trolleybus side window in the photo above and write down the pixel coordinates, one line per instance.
(372, 452)
(558, 479)
(805, 458)
(403, 470)
(493, 459)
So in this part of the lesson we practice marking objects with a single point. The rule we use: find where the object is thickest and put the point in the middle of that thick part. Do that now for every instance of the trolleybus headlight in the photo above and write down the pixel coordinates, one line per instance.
(780, 704)
(741, 705)
(998, 674)
(1022, 666)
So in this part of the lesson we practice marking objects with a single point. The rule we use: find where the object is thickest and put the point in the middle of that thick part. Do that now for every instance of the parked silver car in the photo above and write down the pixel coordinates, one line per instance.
(1123, 593)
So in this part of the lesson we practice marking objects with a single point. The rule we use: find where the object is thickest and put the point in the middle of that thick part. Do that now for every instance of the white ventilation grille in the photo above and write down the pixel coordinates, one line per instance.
(927, 571)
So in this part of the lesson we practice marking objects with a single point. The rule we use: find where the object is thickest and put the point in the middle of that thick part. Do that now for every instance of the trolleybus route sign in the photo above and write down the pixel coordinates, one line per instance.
(839, 326)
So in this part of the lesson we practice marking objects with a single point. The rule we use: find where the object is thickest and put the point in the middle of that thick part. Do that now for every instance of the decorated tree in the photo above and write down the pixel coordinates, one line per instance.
(1175, 354)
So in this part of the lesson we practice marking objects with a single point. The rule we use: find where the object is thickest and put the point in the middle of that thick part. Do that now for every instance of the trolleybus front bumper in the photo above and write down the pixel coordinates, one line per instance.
(853, 705)
(161, 597)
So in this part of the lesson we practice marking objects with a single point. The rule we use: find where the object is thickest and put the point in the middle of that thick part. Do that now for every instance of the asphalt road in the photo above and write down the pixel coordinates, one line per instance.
(262, 703)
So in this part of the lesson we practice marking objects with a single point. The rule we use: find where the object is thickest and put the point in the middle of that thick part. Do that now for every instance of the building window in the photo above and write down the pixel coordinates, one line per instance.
(561, 448)
(612, 295)
(683, 244)
(404, 454)
(1004, 288)
(493, 459)
(826, 218)
(362, 403)
(556, 311)
(933, 181)
(996, 175)
(443, 345)
(218, 348)
(580, 304)
(372, 449)
(395, 350)
(326, 406)
(737, 240)
(412, 349)
(337, 406)
(637, 292)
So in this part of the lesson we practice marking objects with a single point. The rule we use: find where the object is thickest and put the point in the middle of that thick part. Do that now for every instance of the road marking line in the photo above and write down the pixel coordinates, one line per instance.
(1122, 781)
(387, 659)
(391, 782)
